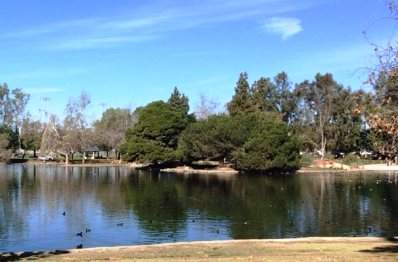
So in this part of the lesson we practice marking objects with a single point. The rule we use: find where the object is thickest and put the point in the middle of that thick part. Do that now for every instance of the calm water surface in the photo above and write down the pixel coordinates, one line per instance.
(124, 207)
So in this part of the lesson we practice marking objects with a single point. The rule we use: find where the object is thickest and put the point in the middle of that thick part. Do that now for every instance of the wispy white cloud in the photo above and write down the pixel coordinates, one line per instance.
(97, 42)
(134, 23)
(157, 19)
(285, 27)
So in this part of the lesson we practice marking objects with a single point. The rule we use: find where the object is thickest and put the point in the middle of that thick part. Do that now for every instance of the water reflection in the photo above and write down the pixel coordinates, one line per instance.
(123, 207)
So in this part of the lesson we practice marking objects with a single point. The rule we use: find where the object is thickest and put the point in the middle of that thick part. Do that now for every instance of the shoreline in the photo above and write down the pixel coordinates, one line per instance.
(52, 163)
(373, 168)
(347, 240)
(299, 249)
(186, 170)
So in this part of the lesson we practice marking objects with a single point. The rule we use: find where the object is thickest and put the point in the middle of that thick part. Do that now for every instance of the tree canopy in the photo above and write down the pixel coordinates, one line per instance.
(255, 141)
(154, 137)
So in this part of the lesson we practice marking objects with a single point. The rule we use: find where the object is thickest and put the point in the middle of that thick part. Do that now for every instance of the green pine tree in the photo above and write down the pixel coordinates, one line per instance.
(241, 101)
(179, 101)
(263, 95)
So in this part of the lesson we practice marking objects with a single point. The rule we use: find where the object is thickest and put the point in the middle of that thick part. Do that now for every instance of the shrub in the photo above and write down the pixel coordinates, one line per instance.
(154, 138)
(255, 142)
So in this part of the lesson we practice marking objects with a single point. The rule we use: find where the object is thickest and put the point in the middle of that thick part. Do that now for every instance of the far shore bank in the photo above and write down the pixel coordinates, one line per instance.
(296, 249)
(227, 171)
(54, 163)
(189, 170)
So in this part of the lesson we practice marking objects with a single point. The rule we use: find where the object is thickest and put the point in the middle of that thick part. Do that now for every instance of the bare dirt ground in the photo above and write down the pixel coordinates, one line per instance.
(305, 249)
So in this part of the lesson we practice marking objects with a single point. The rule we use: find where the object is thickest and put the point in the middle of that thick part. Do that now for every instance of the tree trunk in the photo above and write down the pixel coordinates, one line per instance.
(19, 138)
(67, 159)
(34, 153)
(323, 147)
(84, 158)
(323, 139)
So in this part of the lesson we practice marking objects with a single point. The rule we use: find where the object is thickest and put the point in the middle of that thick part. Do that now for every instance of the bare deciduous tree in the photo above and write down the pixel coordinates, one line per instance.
(205, 108)
(110, 130)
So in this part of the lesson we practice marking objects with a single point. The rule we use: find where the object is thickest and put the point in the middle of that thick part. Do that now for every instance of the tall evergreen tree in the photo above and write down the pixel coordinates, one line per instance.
(241, 101)
(153, 139)
(179, 101)
(263, 95)
(286, 103)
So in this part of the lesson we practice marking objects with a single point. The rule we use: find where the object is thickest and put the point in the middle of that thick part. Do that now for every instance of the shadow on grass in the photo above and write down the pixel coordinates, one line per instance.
(11, 256)
(385, 249)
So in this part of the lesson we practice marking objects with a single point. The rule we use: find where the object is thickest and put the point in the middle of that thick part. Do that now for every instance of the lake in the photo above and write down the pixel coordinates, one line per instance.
(124, 207)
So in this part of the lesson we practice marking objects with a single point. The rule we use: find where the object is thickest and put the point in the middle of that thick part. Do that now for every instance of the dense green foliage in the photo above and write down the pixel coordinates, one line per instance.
(255, 141)
(269, 147)
(154, 137)
(214, 138)
(179, 101)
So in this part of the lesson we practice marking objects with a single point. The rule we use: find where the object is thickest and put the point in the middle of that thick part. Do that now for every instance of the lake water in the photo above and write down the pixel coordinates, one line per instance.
(125, 207)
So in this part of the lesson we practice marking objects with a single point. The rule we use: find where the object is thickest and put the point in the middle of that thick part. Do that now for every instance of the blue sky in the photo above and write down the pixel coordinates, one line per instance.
(126, 53)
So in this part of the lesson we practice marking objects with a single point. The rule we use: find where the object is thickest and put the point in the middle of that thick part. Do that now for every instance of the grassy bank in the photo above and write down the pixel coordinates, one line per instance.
(307, 249)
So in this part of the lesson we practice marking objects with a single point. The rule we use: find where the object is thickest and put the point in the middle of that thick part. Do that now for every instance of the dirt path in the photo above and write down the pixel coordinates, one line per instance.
(307, 249)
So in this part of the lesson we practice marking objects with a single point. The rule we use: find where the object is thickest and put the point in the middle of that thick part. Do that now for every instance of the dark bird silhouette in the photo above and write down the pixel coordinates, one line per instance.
(218, 231)
(120, 224)
(171, 235)
(80, 234)
(88, 230)
(64, 213)
(79, 246)
(193, 220)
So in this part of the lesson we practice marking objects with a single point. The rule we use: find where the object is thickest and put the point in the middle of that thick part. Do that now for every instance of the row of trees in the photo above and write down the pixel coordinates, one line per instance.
(320, 116)
(75, 135)
(327, 116)
(166, 133)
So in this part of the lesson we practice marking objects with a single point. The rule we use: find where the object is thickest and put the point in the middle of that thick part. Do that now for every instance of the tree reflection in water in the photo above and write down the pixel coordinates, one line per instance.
(156, 207)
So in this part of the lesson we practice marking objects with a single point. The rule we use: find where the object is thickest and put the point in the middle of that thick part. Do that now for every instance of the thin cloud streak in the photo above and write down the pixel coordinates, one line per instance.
(100, 42)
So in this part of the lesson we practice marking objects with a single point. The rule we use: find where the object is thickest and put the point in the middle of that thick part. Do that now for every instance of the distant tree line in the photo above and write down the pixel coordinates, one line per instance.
(265, 126)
